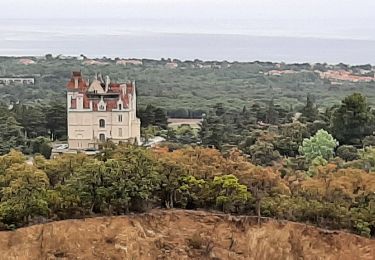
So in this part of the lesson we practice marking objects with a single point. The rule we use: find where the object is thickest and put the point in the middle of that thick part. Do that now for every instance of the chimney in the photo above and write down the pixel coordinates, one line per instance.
(100, 78)
(107, 81)
(75, 82)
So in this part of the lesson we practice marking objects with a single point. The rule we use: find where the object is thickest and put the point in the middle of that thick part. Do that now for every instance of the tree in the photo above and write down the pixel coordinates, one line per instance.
(153, 116)
(321, 144)
(272, 116)
(10, 134)
(56, 119)
(290, 138)
(160, 118)
(139, 169)
(263, 153)
(60, 168)
(347, 152)
(229, 194)
(353, 120)
(309, 111)
(171, 173)
(193, 192)
(85, 187)
(262, 182)
(42, 145)
(369, 141)
(23, 194)
(32, 119)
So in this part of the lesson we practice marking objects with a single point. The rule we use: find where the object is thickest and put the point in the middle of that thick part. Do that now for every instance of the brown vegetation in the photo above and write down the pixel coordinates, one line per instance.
(179, 234)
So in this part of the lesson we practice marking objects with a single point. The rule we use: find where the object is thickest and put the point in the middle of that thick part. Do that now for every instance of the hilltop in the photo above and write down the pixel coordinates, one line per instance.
(181, 234)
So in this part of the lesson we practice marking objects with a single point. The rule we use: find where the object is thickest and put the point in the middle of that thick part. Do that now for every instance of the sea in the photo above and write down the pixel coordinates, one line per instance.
(155, 39)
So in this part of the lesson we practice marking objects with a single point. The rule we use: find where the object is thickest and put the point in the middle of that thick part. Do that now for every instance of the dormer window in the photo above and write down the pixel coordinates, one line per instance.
(101, 107)
(119, 106)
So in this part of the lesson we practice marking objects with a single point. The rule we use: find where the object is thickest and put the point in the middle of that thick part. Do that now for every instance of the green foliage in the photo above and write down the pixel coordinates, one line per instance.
(193, 192)
(229, 193)
(367, 155)
(130, 178)
(369, 141)
(290, 138)
(363, 228)
(310, 112)
(347, 152)
(321, 144)
(23, 194)
(155, 116)
(263, 153)
(41, 145)
(56, 119)
(11, 135)
(353, 120)
(140, 169)
(315, 163)
(238, 112)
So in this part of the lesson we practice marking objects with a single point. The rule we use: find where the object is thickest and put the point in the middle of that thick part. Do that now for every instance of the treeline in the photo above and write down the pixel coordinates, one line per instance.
(191, 88)
(127, 179)
(267, 134)
(30, 128)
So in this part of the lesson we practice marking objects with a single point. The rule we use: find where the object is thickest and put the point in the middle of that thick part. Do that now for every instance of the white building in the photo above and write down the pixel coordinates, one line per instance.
(100, 111)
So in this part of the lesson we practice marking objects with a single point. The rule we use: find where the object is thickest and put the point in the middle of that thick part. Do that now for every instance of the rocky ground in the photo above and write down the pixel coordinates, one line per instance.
(179, 234)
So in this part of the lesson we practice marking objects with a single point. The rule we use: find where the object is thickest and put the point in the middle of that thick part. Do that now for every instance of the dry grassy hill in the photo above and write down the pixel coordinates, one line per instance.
(178, 234)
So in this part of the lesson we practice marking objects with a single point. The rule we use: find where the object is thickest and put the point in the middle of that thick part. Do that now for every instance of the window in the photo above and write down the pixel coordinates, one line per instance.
(120, 132)
(119, 106)
(101, 123)
(102, 137)
(120, 118)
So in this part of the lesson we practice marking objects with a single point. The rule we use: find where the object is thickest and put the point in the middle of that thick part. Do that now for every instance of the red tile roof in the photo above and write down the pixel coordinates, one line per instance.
(110, 101)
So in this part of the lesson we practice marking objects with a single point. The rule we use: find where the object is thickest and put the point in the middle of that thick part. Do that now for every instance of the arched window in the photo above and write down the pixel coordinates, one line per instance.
(119, 106)
(101, 123)
(102, 137)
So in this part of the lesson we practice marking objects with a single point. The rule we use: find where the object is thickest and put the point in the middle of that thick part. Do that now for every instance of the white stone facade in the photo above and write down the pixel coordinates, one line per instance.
(100, 112)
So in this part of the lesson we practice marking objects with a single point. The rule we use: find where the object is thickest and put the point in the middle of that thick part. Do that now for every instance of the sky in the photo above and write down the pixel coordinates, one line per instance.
(349, 19)
(276, 30)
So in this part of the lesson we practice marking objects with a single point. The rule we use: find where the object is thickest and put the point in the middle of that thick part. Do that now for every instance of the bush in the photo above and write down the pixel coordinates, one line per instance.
(347, 152)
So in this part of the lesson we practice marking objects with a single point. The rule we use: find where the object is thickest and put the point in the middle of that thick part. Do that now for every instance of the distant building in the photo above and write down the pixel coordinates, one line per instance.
(100, 111)
(342, 75)
(171, 65)
(129, 62)
(26, 61)
(94, 62)
(17, 81)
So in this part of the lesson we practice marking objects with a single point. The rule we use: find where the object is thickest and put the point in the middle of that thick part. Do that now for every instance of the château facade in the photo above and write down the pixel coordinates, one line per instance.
(100, 111)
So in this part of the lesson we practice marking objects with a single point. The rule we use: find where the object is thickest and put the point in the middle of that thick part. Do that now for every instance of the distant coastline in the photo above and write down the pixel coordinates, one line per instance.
(144, 41)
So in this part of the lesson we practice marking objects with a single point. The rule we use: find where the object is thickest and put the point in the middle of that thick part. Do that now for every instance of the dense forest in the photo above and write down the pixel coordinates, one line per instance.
(299, 154)
(188, 88)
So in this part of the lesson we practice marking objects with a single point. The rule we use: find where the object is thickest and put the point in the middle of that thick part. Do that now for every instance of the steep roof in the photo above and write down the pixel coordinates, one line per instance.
(77, 82)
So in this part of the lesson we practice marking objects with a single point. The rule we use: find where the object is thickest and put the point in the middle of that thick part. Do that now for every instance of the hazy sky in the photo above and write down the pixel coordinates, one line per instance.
(295, 30)
(273, 9)
(317, 18)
